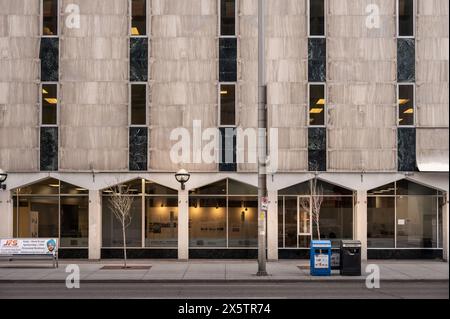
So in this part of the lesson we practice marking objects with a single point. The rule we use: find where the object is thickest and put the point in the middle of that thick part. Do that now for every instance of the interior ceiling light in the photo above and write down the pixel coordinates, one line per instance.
(51, 101)
(409, 111)
(321, 102)
(134, 31)
(403, 101)
(223, 92)
(53, 185)
(44, 91)
(316, 111)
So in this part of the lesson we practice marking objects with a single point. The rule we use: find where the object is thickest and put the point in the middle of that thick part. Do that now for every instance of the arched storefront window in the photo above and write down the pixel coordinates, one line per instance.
(154, 213)
(52, 208)
(223, 215)
(295, 226)
(404, 214)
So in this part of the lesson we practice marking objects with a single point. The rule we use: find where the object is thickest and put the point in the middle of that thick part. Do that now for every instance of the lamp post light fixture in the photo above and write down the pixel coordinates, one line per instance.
(3, 177)
(182, 177)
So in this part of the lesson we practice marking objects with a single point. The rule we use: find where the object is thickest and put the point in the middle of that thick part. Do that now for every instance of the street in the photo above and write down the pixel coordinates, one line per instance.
(303, 290)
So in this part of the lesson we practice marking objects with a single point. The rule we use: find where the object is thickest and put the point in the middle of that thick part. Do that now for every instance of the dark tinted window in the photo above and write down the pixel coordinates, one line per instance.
(317, 17)
(49, 56)
(138, 17)
(406, 149)
(138, 104)
(49, 149)
(406, 17)
(50, 17)
(227, 104)
(228, 60)
(49, 104)
(317, 149)
(138, 148)
(227, 17)
(316, 104)
(138, 59)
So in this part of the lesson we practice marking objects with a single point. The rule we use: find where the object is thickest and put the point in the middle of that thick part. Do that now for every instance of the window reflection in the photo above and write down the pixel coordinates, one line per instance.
(161, 216)
(52, 208)
(381, 222)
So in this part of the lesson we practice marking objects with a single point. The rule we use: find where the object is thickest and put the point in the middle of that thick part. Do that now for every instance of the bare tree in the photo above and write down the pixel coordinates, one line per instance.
(314, 203)
(120, 203)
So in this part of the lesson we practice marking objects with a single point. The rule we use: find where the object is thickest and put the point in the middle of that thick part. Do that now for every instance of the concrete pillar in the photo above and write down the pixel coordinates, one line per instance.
(272, 226)
(445, 229)
(6, 214)
(183, 225)
(361, 221)
(95, 224)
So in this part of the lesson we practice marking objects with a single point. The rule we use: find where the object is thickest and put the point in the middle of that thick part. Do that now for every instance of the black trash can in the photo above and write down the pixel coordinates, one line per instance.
(350, 263)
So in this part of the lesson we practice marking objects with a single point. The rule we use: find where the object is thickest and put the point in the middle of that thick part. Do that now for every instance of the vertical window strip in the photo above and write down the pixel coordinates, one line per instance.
(49, 89)
(317, 65)
(227, 84)
(138, 81)
(406, 109)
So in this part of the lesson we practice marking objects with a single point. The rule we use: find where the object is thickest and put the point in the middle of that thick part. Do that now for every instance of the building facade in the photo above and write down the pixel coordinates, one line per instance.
(99, 93)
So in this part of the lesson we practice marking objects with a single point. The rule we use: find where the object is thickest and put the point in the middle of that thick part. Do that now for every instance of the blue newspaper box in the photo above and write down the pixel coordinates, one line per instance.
(320, 254)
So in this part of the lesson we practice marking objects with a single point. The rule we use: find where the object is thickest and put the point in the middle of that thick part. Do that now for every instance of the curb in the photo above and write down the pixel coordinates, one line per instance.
(215, 281)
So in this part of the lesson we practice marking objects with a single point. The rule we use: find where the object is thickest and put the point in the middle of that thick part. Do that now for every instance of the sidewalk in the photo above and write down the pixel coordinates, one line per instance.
(169, 271)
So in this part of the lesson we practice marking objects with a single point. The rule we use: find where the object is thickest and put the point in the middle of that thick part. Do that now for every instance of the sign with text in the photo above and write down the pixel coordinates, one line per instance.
(265, 204)
(28, 246)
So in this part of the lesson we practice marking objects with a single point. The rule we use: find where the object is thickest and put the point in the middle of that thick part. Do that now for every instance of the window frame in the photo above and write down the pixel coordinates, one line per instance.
(397, 19)
(58, 22)
(41, 104)
(130, 20)
(236, 12)
(396, 196)
(130, 101)
(219, 115)
(308, 20)
(413, 102)
(325, 107)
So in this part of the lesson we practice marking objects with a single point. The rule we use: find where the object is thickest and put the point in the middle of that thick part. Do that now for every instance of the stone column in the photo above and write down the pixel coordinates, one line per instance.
(95, 224)
(6, 214)
(272, 226)
(445, 229)
(361, 221)
(183, 225)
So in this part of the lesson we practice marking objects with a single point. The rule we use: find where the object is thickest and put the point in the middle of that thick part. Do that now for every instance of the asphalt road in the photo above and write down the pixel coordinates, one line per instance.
(306, 290)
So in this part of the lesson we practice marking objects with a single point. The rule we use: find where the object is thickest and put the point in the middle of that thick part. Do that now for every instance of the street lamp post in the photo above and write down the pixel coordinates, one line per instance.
(262, 141)
(3, 177)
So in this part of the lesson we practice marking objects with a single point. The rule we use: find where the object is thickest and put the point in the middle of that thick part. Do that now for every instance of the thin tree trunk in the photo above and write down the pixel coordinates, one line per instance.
(124, 246)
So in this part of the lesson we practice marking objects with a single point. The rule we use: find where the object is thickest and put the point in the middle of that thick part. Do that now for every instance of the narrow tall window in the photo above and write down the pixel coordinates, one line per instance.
(50, 17)
(406, 108)
(138, 17)
(49, 76)
(316, 18)
(49, 102)
(227, 17)
(138, 104)
(317, 103)
(228, 44)
(405, 18)
(227, 104)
